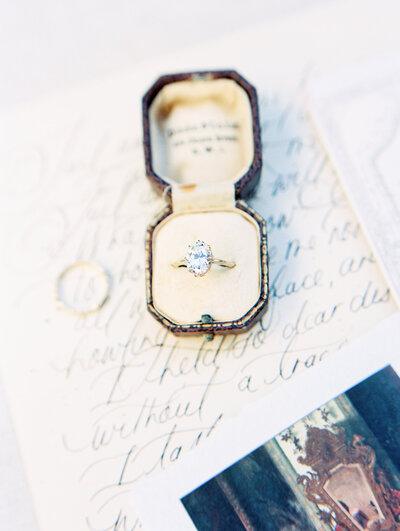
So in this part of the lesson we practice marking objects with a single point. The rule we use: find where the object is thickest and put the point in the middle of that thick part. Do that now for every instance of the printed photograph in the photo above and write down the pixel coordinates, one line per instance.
(336, 469)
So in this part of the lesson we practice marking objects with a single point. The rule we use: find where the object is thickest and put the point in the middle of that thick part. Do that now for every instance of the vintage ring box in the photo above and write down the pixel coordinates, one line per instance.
(202, 149)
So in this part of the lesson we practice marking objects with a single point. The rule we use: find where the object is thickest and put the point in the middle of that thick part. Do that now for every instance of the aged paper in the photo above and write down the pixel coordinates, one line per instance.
(101, 402)
(358, 114)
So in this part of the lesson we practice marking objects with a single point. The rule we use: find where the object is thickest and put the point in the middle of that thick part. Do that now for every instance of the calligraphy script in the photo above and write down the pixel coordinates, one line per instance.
(112, 396)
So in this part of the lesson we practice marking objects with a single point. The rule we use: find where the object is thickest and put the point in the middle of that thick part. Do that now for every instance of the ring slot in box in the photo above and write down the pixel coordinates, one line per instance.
(203, 151)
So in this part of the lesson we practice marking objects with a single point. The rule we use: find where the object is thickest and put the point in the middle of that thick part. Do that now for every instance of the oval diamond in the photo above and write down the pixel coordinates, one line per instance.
(199, 258)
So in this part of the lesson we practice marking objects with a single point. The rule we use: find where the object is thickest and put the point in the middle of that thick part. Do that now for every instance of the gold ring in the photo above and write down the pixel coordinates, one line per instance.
(81, 264)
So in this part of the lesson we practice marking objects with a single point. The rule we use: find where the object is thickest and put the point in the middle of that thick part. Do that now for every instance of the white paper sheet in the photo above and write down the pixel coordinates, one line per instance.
(358, 114)
(101, 402)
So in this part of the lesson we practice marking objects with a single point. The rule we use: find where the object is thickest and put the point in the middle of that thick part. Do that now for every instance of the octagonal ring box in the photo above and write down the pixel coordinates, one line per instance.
(202, 149)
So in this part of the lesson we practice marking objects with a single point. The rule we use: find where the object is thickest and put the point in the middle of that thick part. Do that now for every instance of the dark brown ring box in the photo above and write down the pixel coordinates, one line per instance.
(202, 148)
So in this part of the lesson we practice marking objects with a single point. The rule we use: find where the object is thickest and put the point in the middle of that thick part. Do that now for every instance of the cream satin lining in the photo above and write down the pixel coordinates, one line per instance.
(225, 294)
(201, 132)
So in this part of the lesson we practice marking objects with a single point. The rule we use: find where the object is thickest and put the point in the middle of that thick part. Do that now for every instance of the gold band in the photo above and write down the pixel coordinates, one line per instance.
(61, 277)
(217, 261)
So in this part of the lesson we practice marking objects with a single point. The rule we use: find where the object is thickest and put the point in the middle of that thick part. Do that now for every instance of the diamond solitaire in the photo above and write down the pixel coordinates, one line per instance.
(199, 258)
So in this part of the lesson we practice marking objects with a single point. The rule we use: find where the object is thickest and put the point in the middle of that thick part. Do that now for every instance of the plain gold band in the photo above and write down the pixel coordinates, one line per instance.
(217, 261)
(76, 265)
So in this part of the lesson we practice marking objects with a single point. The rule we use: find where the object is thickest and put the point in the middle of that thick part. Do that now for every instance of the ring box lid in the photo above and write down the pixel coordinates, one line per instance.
(234, 100)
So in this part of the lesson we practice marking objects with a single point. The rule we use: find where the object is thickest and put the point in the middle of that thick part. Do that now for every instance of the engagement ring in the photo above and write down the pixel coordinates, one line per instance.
(199, 259)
